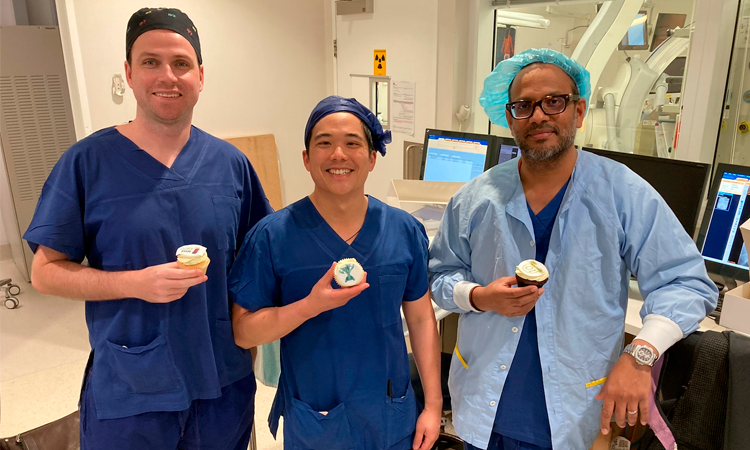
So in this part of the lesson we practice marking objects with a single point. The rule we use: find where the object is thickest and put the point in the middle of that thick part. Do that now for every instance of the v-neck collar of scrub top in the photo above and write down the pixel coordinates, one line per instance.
(517, 208)
(183, 168)
(331, 243)
(545, 219)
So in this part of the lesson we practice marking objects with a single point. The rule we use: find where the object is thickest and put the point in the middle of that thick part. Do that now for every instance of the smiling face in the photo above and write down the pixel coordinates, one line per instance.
(542, 137)
(165, 77)
(339, 158)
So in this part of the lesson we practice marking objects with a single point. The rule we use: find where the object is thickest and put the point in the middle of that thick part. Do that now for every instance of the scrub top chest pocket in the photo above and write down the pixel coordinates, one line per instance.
(392, 289)
(227, 214)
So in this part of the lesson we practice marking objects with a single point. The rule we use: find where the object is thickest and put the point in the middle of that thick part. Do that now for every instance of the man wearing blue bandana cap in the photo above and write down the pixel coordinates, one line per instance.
(164, 371)
(541, 368)
(344, 369)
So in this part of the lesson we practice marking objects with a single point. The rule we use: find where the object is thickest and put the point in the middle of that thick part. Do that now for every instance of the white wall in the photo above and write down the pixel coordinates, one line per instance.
(408, 32)
(452, 48)
(264, 67)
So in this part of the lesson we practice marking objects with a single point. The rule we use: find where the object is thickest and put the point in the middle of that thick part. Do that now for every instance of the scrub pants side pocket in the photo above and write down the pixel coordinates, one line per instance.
(149, 369)
(401, 417)
(392, 289)
(227, 213)
(310, 429)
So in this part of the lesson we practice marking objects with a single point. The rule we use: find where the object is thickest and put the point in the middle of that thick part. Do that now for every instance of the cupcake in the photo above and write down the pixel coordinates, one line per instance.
(193, 257)
(348, 272)
(531, 273)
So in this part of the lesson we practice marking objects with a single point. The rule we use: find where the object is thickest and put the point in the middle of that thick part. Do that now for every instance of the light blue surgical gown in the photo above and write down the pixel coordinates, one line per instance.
(611, 223)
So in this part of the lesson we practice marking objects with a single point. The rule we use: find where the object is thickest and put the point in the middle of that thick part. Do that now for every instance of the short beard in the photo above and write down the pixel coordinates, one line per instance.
(566, 139)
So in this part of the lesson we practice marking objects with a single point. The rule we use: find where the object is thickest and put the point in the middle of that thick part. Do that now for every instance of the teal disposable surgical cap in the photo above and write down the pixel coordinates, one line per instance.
(496, 93)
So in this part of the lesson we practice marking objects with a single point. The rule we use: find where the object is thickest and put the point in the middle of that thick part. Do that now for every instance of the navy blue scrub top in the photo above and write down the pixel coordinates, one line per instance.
(336, 367)
(111, 202)
(522, 410)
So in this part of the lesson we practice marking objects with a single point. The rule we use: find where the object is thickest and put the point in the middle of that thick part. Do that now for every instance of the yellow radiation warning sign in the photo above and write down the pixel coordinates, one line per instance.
(379, 63)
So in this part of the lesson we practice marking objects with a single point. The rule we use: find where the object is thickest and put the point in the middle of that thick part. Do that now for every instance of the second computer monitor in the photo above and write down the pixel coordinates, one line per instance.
(720, 240)
(453, 155)
(503, 149)
(682, 184)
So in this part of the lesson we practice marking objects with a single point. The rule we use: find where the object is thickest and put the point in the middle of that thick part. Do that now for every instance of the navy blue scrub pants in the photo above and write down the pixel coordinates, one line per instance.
(224, 423)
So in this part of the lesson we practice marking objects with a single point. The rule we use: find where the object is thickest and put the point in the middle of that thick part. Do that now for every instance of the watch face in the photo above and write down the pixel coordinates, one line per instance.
(644, 354)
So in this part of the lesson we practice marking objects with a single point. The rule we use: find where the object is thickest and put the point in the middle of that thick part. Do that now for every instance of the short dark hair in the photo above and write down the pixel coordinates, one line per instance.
(368, 137)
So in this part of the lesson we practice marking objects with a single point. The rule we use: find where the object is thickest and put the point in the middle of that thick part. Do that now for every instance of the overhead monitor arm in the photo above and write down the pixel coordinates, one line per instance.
(603, 35)
(671, 48)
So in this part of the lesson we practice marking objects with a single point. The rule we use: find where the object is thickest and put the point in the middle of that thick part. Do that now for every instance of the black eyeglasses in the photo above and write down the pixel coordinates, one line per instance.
(551, 105)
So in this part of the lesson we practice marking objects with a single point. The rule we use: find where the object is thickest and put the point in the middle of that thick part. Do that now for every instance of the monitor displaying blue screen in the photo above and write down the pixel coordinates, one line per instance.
(728, 209)
(454, 158)
(637, 36)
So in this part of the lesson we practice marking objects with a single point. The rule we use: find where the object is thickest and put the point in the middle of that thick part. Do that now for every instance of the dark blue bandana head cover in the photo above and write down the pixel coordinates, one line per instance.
(147, 19)
(334, 104)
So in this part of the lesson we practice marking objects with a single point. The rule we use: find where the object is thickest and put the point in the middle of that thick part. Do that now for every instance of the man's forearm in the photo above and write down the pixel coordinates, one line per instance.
(426, 348)
(76, 281)
(268, 324)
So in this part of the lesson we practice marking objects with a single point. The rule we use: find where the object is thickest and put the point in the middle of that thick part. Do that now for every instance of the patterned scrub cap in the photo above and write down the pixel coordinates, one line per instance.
(147, 19)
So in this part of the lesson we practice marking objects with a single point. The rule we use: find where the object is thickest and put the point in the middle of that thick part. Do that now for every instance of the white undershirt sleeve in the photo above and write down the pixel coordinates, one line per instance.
(659, 331)
(461, 293)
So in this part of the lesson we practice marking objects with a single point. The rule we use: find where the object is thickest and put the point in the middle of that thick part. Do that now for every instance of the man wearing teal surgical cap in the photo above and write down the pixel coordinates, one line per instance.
(345, 381)
(541, 368)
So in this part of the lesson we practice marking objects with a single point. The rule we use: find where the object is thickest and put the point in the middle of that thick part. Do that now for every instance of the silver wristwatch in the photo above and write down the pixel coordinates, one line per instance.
(642, 353)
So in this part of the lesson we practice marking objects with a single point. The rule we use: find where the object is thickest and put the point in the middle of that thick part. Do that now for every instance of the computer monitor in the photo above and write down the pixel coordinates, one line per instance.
(719, 239)
(637, 36)
(682, 184)
(453, 155)
(503, 149)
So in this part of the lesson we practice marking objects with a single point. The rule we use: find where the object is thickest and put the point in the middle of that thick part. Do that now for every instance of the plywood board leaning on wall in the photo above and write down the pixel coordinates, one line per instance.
(261, 151)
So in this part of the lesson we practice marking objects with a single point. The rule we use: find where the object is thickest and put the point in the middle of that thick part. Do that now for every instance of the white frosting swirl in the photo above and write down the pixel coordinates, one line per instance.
(532, 270)
(190, 255)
